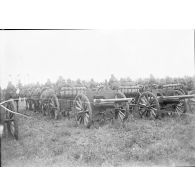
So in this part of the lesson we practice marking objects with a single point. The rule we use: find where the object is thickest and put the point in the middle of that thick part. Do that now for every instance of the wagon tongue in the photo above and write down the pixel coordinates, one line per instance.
(176, 97)
(112, 101)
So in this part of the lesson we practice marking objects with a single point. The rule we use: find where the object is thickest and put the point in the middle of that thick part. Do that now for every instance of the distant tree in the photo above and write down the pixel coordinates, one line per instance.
(193, 78)
(152, 79)
(168, 80)
(122, 81)
(78, 82)
(10, 91)
(113, 82)
(112, 79)
(48, 83)
(84, 83)
(128, 79)
(60, 82)
(19, 84)
(70, 82)
(92, 83)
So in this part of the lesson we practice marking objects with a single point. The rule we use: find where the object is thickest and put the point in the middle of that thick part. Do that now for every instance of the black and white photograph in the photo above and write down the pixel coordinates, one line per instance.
(97, 98)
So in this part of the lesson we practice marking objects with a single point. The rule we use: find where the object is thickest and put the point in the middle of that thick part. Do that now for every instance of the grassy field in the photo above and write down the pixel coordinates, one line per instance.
(46, 142)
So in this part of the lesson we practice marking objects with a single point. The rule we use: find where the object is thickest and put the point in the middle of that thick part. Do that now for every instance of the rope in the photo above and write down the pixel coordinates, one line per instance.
(14, 112)
(17, 113)
(10, 100)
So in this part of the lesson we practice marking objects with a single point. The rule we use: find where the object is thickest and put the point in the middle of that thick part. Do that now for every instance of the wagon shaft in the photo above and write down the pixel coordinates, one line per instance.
(179, 97)
(111, 101)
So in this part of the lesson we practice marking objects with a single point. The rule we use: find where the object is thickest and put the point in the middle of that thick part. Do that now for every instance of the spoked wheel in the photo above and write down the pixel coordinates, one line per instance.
(121, 109)
(82, 110)
(54, 107)
(181, 107)
(12, 123)
(148, 106)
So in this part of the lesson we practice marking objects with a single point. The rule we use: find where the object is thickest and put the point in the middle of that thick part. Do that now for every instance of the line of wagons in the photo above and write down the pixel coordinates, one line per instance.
(97, 105)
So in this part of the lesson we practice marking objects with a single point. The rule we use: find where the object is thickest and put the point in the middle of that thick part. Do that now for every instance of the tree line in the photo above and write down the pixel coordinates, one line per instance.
(187, 81)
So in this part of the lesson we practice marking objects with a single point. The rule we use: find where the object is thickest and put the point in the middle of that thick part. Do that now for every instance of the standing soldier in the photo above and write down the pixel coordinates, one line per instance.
(10, 91)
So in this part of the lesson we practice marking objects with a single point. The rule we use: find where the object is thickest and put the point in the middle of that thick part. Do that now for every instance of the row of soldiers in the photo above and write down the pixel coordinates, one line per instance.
(30, 93)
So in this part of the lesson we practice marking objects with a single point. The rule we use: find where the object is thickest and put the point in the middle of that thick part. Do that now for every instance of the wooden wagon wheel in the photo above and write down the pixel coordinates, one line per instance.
(11, 120)
(122, 109)
(181, 107)
(148, 105)
(82, 110)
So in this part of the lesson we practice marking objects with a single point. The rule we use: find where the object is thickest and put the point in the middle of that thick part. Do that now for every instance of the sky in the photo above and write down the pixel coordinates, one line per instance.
(33, 56)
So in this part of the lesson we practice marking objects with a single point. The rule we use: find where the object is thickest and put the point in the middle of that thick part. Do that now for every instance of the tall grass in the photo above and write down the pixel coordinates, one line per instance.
(138, 142)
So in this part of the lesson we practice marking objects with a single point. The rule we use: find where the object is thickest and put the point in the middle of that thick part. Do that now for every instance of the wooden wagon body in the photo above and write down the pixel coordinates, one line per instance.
(66, 96)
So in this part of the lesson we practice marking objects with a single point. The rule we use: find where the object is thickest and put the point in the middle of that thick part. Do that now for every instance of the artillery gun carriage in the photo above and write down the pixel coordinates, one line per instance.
(152, 100)
(100, 105)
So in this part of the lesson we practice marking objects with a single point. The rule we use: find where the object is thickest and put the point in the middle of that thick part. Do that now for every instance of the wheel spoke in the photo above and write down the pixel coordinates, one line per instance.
(85, 120)
(153, 113)
(178, 108)
(142, 113)
(85, 106)
(78, 104)
(87, 115)
(153, 105)
(177, 111)
(144, 100)
(79, 119)
(121, 115)
(151, 100)
(146, 97)
(78, 108)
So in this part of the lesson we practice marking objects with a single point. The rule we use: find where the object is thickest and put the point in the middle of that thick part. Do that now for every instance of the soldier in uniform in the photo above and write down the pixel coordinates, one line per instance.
(10, 91)
(36, 99)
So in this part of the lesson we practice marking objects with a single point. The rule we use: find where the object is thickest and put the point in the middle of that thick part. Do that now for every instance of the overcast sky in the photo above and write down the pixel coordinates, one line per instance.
(85, 54)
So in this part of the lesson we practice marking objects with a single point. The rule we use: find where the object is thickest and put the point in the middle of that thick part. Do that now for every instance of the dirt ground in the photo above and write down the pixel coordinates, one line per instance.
(45, 142)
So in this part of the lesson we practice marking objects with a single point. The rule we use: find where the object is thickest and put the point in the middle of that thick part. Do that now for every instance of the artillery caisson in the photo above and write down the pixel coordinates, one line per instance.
(100, 105)
(171, 98)
(56, 102)
(177, 86)
(66, 96)
(151, 105)
(151, 101)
